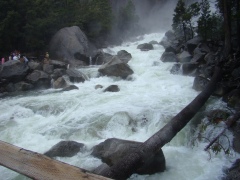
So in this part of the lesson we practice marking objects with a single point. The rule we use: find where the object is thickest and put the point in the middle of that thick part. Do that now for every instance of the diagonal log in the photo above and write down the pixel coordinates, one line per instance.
(129, 164)
(40, 167)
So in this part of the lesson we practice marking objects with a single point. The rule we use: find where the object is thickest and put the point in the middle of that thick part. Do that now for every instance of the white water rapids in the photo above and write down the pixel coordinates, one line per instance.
(145, 103)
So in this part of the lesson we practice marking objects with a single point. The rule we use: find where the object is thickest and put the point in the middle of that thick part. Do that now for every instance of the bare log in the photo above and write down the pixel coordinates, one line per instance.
(38, 166)
(128, 165)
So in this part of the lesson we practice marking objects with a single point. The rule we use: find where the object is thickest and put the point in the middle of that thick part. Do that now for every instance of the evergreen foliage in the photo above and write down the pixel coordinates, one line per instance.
(183, 19)
(28, 25)
(209, 24)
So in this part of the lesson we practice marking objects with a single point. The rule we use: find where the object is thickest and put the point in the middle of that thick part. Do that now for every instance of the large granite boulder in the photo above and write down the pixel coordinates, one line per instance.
(64, 149)
(13, 71)
(69, 42)
(112, 150)
(117, 68)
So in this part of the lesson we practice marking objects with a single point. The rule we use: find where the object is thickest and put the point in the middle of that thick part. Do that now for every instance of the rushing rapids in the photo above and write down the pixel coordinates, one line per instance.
(146, 102)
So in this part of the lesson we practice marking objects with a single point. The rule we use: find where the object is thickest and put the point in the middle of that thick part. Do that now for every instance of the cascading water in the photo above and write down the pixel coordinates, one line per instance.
(145, 103)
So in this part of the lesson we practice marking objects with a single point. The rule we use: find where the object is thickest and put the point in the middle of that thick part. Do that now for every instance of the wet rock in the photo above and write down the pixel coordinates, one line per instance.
(102, 58)
(193, 43)
(117, 68)
(59, 83)
(189, 69)
(70, 87)
(64, 149)
(112, 88)
(76, 76)
(47, 68)
(58, 73)
(153, 42)
(23, 86)
(184, 57)
(39, 79)
(112, 150)
(200, 83)
(34, 65)
(169, 57)
(145, 47)
(124, 56)
(176, 69)
(98, 86)
(13, 71)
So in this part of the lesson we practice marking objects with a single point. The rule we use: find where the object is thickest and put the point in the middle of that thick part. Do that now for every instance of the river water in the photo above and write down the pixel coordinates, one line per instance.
(145, 103)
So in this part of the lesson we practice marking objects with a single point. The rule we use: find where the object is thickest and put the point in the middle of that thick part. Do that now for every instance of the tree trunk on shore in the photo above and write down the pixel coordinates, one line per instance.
(128, 165)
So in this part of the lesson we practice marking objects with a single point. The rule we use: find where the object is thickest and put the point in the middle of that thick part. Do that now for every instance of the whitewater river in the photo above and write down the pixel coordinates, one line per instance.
(145, 103)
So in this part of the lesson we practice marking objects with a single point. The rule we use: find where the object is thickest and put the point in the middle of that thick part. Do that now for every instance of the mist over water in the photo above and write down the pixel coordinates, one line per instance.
(145, 103)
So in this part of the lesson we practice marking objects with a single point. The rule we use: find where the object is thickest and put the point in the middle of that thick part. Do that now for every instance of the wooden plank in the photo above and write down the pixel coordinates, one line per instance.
(38, 166)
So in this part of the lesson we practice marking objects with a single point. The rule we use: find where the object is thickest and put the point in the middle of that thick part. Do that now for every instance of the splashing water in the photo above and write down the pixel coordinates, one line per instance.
(144, 104)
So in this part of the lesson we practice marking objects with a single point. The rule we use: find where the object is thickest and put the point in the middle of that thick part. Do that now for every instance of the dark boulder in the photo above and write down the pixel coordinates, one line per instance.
(112, 150)
(169, 57)
(145, 47)
(60, 83)
(170, 35)
(58, 73)
(70, 87)
(34, 65)
(101, 58)
(117, 68)
(124, 56)
(189, 69)
(193, 43)
(47, 68)
(13, 71)
(184, 57)
(76, 76)
(39, 79)
(64, 149)
(112, 88)
(176, 69)
(200, 83)
(23, 86)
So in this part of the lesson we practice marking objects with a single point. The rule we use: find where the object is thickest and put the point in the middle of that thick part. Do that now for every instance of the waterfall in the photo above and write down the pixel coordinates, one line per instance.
(146, 102)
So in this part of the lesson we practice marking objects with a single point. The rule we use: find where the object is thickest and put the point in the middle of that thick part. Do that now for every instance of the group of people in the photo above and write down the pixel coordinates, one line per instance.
(15, 55)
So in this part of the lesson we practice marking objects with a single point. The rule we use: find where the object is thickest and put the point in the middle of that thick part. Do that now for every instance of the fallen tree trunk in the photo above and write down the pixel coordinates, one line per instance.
(129, 164)
(38, 166)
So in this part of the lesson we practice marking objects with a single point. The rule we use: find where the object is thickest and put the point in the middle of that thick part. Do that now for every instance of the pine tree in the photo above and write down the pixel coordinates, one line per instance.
(179, 25)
